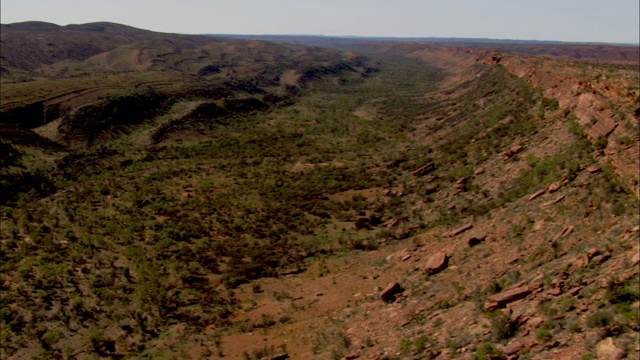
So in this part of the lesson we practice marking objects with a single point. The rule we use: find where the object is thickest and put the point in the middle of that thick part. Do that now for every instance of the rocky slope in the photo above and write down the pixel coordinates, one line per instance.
(421, 202)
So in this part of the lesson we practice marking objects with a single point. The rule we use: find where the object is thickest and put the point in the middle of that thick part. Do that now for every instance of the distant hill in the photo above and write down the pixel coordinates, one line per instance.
(30, 44)
(77, 74)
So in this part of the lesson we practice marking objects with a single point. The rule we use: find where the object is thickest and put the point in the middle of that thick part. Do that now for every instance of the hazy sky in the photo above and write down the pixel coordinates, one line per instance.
(566, 20)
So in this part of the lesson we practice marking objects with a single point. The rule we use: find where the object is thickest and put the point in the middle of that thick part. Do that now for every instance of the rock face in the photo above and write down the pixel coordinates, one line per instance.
(607, 350)
(602, 129)
(436, 263)
(388, 294)
(500, 300)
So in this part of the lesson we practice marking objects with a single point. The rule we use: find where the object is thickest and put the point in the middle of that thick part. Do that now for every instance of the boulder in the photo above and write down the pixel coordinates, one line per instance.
(508, 296)
(513, 347)
(475, 241)
(600, 259)
(460, 183)
(607, 350)
(537, 194)
(436, 263)
(424, 170)
(556, 200)
(430, 178)
(478, 172)
(554, 187)
(460, 230)
(491, 306)
(401, 234)
(511, 152)
(282, 356)
(635, 258)
(535, 322)
(593, 252)
(574, 291)
(516, 149)
(391, 223)
(565, 232)
(293, 271)
(388, 294)
(594, 169)
(431, 189)
(557, 291)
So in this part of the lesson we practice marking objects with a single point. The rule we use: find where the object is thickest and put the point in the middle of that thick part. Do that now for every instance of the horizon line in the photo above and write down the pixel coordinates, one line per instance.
(477, 39)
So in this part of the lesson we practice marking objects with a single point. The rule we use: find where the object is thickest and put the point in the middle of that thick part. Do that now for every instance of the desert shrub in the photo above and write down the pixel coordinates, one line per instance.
(266, 322)
(548, 308)
(101, 344)
(621, 292)
(544, 332)
(601, 143)
(600, 319)
(487, 351)
(11, 156)
(494, 287)
(501, 325)
(551, 103)
(574, 327)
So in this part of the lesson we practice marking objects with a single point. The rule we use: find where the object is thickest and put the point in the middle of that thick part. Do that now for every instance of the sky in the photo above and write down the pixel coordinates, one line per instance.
(612, 21)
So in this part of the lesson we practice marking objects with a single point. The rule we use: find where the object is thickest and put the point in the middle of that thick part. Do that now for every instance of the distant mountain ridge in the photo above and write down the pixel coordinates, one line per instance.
(102, 26)
(29, 45)
(567, 50)
(428, 39)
